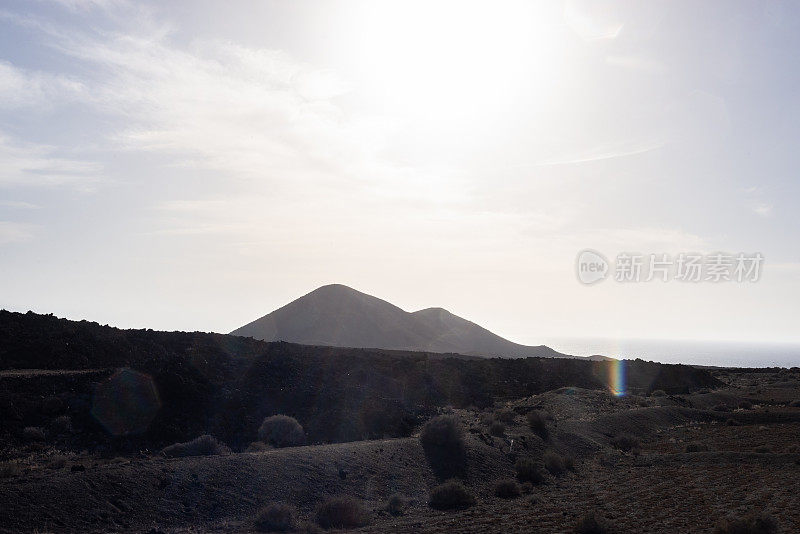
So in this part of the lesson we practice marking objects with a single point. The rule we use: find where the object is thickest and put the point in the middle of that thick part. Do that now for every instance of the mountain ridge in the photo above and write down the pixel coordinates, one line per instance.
(338, 315)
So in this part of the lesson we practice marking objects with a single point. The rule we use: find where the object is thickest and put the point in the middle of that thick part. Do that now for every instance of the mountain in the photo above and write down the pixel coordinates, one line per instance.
(337, 315)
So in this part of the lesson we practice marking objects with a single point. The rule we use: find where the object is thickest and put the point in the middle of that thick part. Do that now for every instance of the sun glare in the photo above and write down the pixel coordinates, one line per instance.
(447, 61)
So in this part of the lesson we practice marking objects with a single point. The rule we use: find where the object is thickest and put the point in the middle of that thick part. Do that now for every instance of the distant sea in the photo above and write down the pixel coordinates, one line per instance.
(722, 354)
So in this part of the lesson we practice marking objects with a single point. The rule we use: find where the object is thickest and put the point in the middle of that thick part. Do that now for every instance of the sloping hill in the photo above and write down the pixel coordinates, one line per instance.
(337, 315)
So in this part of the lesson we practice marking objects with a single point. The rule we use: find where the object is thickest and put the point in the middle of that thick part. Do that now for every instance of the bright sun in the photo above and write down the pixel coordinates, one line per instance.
(441, 61)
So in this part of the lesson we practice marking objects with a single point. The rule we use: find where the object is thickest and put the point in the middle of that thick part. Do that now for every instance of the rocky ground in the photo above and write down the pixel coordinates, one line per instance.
(694, 460)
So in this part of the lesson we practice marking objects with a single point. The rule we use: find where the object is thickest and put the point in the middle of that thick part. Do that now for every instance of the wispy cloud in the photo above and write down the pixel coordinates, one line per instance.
(39, 166)
(23, 88)
(762, 209)
(605, 152)
(14, 232)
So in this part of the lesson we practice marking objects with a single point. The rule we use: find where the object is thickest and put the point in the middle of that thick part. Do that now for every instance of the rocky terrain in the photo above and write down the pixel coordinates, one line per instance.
(682, 450)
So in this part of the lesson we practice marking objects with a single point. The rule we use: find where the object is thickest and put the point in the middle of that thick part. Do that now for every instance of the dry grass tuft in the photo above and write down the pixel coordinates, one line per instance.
(442, 440)
(281, 431)
(277, 517)
(625, 442)
(204, 445)
(342, 511)
(507, 489)
(749, 524)
(396, 504)
(538, 424)
(592, 524)
(451, 495)
(528, 471)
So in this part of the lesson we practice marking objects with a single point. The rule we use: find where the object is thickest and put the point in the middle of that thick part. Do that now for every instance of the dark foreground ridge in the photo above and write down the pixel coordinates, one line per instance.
(175, 386)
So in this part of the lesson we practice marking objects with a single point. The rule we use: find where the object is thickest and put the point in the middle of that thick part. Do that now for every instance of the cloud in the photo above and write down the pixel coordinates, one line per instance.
(762, 209)
(84, 5)
(604, 152)
(18, 205)
(22, 88)
(252, 113)
(39, 166)
(13, 232)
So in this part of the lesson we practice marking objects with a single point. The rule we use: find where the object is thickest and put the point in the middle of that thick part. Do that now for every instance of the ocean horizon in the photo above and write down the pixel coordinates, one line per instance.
(693, 352)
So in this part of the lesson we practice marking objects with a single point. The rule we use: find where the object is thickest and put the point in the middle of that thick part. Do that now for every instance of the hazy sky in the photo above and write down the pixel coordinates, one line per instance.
(194, 165)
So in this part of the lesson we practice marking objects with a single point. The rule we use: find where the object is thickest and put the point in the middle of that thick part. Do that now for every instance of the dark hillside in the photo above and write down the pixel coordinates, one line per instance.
(225, 385)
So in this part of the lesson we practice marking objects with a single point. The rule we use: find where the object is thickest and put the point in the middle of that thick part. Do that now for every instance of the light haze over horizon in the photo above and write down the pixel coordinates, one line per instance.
(196, 165)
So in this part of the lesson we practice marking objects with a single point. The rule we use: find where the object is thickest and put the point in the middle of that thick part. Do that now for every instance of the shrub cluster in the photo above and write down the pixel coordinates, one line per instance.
(507, 489)
(442, 440)
(554, 463)
(277, 517)
(204, 445)
(450, 495)
(528, 471)
(506, 416)
(625, 442)
(281, 431)
(33, 433)
(538, 424)
(341, 511)
(9, 469)
(749, 524)
(497, 429)
(396, 504)
(592, 524)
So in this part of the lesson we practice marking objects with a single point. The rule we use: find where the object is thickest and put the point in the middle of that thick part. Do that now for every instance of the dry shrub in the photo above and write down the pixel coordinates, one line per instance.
(658, 393)
(745, 405)
(257, 446)
(592, 524)
(749, 524)
(396, 504)
(506, 416)
(9, 469)
(204, 445)
(277, 517)
(696, 447)
(443, 442)
(33, 433)
(763, 449)
(527, 488)
(528, 471)
(554, 463)
(625, 442)
(507, 489)
(281, 431)
(450, 495)
(538, 424)
(61, 425)
(732, 422)
(569, 462)
(497, 429)
(341, 511)
(721, 408)
(57, 462)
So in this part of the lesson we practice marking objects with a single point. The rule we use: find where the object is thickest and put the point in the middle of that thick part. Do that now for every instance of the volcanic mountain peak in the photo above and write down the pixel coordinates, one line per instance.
(338, 315)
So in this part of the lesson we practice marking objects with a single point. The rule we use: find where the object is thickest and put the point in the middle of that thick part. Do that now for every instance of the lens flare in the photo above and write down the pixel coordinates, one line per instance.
(616, 378)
